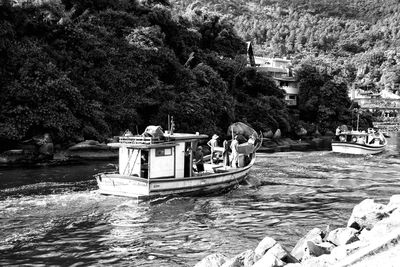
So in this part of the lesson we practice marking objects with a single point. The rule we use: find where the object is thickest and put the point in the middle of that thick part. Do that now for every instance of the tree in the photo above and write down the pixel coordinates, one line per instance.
(321, 100)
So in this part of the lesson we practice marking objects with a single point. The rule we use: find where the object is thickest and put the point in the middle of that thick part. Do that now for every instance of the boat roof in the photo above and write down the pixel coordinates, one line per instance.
(356, 133)
(185, 136)
(285, 78)
(143, 146)
(146, 142)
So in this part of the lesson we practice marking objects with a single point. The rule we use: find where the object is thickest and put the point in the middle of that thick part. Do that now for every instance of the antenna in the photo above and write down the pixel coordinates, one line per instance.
(168, 123)
(172, 125)
(358, 119)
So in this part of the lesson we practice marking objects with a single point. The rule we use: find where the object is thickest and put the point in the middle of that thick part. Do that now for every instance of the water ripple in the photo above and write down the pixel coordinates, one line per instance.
(55, 216)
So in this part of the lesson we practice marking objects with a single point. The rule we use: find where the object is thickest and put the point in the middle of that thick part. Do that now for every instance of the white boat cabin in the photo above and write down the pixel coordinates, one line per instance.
(149, 157)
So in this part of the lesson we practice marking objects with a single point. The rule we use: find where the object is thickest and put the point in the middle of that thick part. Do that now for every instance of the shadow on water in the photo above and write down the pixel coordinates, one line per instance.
(53, 216)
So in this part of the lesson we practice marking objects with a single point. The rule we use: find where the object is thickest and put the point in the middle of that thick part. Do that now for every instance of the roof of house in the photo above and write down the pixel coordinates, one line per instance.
(287, 79)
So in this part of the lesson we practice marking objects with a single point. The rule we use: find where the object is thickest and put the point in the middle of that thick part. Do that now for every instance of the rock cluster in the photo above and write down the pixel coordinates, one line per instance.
(91, 149)
(372, 233)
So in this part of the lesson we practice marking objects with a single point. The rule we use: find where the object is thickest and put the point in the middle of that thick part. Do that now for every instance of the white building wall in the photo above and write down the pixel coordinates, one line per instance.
(291, 89)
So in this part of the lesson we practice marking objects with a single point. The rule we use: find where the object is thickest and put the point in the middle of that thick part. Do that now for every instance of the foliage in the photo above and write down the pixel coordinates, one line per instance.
(91, 69)
(261, 102)
(345, 34)
(322, 100)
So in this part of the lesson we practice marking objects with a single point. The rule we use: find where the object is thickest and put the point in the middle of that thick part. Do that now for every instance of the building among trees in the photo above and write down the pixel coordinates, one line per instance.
(280, 70)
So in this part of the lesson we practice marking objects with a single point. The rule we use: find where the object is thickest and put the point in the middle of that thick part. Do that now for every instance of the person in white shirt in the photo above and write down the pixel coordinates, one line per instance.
(235, 153)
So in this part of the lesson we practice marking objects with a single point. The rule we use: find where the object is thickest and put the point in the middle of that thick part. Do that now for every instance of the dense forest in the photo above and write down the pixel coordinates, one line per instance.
(91, 69)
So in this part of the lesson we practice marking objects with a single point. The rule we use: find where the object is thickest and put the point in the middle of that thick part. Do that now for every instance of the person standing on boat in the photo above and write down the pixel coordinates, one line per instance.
(337, 133)
(235, 152)
(213, 143)
(198, 159)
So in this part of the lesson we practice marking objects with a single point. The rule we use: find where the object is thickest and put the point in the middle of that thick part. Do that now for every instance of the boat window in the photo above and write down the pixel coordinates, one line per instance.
(160, 152)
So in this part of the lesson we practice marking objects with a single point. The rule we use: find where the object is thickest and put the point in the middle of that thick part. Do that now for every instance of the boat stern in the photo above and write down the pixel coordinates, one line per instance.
(122, 185)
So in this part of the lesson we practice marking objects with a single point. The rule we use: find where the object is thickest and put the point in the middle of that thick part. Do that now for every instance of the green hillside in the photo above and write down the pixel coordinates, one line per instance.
(342, 36)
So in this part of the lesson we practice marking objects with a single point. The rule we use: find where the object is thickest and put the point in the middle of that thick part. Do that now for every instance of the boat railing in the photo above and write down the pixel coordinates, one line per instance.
(140, 140)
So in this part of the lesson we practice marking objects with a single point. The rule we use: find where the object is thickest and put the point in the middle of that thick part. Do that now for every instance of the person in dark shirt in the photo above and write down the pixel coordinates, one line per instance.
(198, 159)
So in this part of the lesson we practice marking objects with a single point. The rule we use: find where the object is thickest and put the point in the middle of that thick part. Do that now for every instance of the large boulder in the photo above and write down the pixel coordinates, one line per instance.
(88, 145)
(366, 214)
(394, 204)
(321, 261)
(268, 134)
(91, 149)
(381, 228)
(300, 131)
(343, 251)
(244, 259)
(263, 247)
(269, 260)
(213, 260)
(314, 235)
(364, 235)
(277, 134)
(280, 253)
(316, 250)
(342, 236)
(269, 246)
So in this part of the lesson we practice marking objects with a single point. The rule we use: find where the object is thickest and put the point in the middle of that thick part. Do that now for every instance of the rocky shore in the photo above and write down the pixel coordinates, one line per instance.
(370, 238)
(32, 155)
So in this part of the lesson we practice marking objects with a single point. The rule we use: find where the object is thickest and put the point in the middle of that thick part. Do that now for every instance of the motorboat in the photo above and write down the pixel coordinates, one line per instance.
(359, 142)
(158, 164)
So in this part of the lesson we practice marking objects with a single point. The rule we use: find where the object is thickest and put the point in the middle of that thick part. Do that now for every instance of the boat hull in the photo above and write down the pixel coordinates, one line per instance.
(357, 149)
(222, 180)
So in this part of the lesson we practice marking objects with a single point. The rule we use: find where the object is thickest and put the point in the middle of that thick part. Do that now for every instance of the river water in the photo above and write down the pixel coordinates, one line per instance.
(54, 217)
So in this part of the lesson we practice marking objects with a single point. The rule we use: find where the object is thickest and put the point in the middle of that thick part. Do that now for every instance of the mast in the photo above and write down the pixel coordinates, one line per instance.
(358, 120)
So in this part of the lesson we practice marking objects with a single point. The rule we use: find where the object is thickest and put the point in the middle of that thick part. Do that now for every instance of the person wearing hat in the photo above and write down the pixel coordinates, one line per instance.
(212, 144)
(198, 159)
